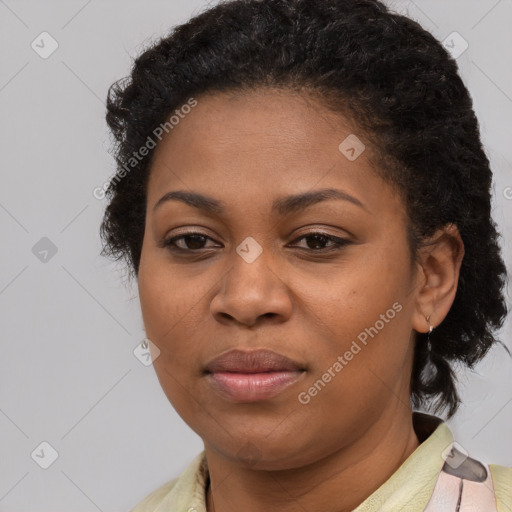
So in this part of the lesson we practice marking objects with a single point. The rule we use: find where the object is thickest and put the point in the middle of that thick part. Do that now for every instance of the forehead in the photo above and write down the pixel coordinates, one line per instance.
(245, 145)
(267, 121)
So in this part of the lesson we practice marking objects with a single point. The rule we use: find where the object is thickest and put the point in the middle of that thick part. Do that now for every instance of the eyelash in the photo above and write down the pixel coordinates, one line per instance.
(339, 243)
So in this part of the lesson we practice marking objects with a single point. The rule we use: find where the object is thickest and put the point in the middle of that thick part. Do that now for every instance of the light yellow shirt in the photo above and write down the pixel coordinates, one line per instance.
(409, 489)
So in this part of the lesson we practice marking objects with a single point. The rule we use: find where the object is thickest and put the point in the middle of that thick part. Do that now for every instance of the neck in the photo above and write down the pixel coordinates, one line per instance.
(331, 484)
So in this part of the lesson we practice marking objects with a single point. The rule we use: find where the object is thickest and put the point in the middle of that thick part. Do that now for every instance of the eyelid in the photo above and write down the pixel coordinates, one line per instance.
(315, 231)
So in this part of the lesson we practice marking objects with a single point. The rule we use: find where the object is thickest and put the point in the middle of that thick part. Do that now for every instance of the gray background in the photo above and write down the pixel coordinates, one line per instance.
(68, 328)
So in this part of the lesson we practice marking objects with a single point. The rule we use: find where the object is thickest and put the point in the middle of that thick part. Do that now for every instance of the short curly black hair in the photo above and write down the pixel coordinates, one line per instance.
(377, 67)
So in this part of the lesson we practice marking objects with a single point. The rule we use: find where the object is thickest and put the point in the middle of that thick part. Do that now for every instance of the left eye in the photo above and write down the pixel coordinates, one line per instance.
(321, 239)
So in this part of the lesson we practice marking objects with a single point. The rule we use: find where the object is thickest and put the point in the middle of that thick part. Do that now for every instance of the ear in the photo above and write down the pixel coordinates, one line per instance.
(439, 261)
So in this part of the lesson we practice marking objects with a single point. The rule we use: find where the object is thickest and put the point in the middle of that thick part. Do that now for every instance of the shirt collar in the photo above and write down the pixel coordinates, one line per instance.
(410, 486)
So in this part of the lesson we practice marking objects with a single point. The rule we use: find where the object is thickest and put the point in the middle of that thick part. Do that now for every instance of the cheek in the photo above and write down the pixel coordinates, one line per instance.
(364, 312)
(355, 295)
(174, 308)
(170, 313)
(166, 297)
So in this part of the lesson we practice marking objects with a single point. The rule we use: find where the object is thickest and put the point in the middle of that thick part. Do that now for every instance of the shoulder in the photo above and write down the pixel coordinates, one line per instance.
(502, 481)
(152, 500)
(186, 492)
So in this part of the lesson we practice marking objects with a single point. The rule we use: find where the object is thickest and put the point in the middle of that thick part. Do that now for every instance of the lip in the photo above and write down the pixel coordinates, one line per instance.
(250, 376)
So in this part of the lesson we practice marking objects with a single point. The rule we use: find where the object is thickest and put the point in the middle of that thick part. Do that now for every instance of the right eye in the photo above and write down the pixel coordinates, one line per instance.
(191, 242)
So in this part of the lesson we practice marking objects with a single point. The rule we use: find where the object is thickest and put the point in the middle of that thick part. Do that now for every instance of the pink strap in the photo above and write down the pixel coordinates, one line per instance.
(463, 485)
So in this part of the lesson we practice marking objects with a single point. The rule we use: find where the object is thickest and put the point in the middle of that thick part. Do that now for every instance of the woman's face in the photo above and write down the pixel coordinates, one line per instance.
(262, 273)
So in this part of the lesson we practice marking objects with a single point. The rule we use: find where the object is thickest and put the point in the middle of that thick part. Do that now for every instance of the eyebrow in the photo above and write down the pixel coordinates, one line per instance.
(282, 205)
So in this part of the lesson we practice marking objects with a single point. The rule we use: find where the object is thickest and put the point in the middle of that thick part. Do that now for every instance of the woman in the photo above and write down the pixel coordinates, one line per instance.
(303, 198)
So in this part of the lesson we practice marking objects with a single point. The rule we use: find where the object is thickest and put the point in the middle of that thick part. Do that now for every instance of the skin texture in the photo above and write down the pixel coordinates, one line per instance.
(248, 150)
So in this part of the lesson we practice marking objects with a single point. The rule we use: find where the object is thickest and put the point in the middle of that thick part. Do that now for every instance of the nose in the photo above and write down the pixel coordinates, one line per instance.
(250, 293)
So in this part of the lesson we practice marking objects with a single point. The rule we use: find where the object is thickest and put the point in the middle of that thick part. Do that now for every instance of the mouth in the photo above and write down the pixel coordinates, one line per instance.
(243, 376)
